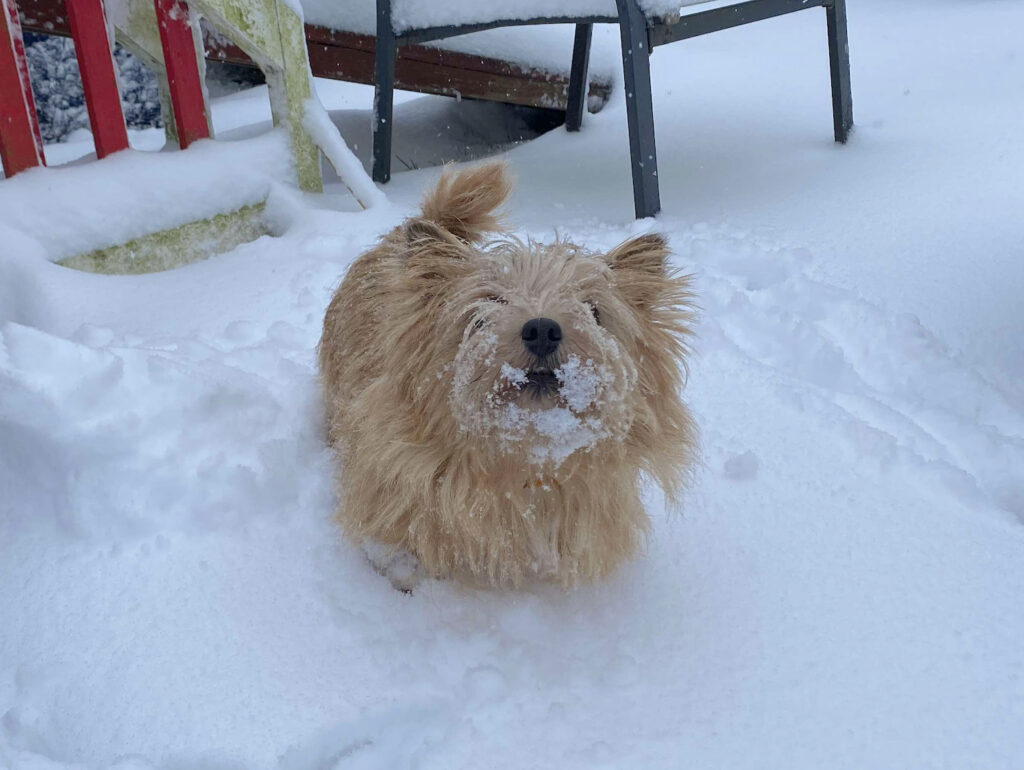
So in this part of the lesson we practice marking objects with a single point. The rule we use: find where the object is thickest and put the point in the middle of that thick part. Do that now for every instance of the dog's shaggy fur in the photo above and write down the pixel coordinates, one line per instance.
(458, 444)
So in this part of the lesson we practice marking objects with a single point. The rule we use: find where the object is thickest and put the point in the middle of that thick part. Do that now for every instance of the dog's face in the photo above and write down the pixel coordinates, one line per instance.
(548, 350)
(546, 360)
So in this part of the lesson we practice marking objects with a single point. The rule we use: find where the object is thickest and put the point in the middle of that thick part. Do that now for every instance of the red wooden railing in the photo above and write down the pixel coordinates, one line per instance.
(96, 65)
(20, 144)
(183, 77)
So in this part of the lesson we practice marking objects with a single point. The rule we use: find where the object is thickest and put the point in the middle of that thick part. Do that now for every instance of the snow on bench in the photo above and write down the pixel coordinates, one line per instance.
(406, 15)
(545, 49)
(535, 48)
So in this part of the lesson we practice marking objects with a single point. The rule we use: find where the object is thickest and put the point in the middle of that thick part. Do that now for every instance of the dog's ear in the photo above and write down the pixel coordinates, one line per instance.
(640, 267)
(423, 234)
(433, 255)
(464, 203)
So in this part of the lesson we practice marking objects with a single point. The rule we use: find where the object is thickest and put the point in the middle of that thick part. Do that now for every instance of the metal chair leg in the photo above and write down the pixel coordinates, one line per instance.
(839, 61)
(577, 98)
(384, 93)
(636, 64)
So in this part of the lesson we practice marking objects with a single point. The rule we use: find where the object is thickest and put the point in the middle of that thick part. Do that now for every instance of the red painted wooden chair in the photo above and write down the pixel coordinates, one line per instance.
(20, 143)
(161, 33)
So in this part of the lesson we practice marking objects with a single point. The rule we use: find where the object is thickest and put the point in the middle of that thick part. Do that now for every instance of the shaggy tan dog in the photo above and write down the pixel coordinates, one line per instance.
(497, 402)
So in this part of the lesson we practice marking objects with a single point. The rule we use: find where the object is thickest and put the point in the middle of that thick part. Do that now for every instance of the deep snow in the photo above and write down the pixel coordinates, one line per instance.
(842, 589)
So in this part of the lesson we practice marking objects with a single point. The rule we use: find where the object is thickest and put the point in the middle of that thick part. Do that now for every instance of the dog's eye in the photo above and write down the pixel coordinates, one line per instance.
(497, 298)
(596, 313)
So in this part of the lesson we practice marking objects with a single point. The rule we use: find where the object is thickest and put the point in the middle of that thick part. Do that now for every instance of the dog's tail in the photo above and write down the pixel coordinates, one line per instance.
(464, 203)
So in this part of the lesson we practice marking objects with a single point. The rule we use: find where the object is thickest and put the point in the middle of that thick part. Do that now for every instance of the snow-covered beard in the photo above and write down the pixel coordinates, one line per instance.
(584, 401)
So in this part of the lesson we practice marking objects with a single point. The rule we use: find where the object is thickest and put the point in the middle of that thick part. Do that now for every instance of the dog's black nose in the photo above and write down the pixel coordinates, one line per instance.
(541, 336)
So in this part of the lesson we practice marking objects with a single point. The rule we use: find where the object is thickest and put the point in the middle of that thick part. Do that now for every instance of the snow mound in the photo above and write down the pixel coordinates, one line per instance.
(178, 596)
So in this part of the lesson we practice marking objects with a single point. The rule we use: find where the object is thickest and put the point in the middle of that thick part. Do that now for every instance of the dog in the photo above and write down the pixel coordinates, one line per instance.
(497, 402)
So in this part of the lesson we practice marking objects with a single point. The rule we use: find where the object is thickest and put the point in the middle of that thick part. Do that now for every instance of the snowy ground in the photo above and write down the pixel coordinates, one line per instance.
(843, 588)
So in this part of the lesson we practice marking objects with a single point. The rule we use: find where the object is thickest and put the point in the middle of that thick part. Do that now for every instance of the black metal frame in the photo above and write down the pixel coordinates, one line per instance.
(576, 99)
(640, 35)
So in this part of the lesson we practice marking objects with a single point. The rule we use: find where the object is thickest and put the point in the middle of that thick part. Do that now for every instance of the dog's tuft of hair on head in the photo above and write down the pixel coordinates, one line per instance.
(465, 204)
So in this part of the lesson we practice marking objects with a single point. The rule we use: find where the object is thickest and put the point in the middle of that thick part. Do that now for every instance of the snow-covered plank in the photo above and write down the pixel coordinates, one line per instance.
(76, 209)
(21, 145)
